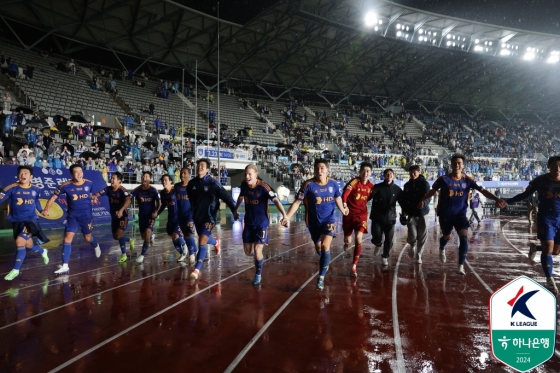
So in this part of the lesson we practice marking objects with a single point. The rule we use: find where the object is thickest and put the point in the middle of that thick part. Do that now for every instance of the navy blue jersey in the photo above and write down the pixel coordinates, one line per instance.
(183, 203)
(78, 197)
(205, 194)
(548, 194)
(169, 200)
(256, 203)
(116, 198)
(146, 199)
(23, 202)
(454, 196)
(319, 201)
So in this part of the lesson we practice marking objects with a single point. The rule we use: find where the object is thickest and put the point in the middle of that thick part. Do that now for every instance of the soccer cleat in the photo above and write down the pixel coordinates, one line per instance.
(257, 280)
(442, 256)
(11, 275)
(182, 257)
(532, 251)
(123, 258)
(62, 269)
(131, 244)
(411, 252)
(192, 259)
(45, 256)
(551, 285)
(97, 251)
(320, 283)
(385, 261)
(354, 272)
(194, 275)
(419, 258)
(376, 250)
(140, 259)
(461, 270)
(217, 246)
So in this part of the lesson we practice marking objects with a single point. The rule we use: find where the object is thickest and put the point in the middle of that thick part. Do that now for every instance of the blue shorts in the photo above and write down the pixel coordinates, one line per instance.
(119, 223)
(145, 223)
(255, 234)
(447, 223)
(84, 223)
(20, 229)
(187, 227)
(324, 229)
(548, 229)
(204, 229)
(173, 227)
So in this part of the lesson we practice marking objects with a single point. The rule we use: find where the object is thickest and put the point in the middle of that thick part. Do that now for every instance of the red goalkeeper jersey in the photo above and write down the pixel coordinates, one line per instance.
(356, 195)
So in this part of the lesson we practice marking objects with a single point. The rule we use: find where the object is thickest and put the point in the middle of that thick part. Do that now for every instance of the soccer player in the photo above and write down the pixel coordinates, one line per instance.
(205, 194)
(186, 222)
(149, 203)
(169, 200)
(416, 221)
(383, 213)
(547, 187)
(320, 196)
(452, 207)
(78, 193)
(24, 199)
(355, 197)
(256, 194)
(119, 200)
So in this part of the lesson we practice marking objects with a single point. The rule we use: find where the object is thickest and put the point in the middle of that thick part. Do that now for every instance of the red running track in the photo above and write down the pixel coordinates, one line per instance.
(406, 317)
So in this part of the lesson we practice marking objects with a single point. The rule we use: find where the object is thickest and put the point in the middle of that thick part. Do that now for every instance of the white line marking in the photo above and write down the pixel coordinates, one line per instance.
(401, 368)
(99, 345)
(479, 278)
(254, 340)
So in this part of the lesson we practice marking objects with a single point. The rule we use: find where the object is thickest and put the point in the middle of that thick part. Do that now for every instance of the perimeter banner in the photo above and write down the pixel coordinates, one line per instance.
(48, 179)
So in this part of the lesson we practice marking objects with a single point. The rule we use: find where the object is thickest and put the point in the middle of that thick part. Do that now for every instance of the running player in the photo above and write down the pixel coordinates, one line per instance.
(186, 222)
(452, 207)
(79, 215)
(548, 219)
(24, 199)
(119, 200)
(205, 194)
(320, 196)
(355, 197)
(256, 194)
(147, 198)
(169, 200)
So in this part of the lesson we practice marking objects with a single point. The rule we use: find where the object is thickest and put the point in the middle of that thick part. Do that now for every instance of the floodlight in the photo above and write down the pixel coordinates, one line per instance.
(435, 34)
(490, 43)
(370, 19)
(478, 48)
(421, 31)
(529, 56)
(399, 34)
(376, 28)
(553, 59)
(380, 21)
(449, 36)
(398, 26)
(448, 43)
(420, 38)
(407, 28)
(453, 43)
(504, 45)
(505, 52)
(434, 41)
(476, 41)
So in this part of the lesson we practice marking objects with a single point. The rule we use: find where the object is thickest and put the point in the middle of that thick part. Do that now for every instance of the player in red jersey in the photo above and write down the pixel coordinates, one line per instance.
(355, 196)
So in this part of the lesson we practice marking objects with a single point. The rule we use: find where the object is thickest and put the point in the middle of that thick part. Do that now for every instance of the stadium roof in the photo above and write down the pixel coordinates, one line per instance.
(321, 46)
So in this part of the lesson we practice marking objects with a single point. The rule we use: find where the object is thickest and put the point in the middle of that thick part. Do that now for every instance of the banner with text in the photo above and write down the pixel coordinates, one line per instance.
(229, 154)
(48, 179)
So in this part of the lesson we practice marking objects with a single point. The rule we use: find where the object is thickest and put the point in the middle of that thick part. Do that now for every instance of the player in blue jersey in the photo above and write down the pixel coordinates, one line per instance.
(452, 207)
(548, 219)
(24, 199)
(148, 201)
(169, 201)
(119, 200)
(78, 193)
(186, 222)
(256, 194)
(205, 194)
(320, 196)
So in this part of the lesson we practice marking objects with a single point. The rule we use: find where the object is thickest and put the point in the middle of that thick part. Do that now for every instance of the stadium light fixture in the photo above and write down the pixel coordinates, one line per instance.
(505, 52)
(529, 56)
(370, 19)
(398, 26)
(399, 34)
(476, 41)
(376, 28)
(554, 57)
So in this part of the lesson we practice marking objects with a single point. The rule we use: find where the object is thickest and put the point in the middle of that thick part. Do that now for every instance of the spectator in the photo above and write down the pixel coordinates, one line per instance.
(32, 137)
(7, 101)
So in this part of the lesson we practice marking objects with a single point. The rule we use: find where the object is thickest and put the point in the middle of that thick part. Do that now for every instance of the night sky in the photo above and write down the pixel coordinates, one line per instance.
(533, 15)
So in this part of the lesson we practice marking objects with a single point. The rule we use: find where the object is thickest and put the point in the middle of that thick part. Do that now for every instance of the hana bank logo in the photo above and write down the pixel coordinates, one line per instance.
(519, 305)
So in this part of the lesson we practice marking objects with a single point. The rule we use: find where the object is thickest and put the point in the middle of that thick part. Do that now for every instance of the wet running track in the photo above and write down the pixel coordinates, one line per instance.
(111, 317)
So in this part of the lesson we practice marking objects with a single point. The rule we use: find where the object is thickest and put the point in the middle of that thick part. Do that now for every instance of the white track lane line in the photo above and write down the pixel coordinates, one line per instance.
(254, 340)
(99, 345)
(401, 368)
(5, 294)
(105, 291)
